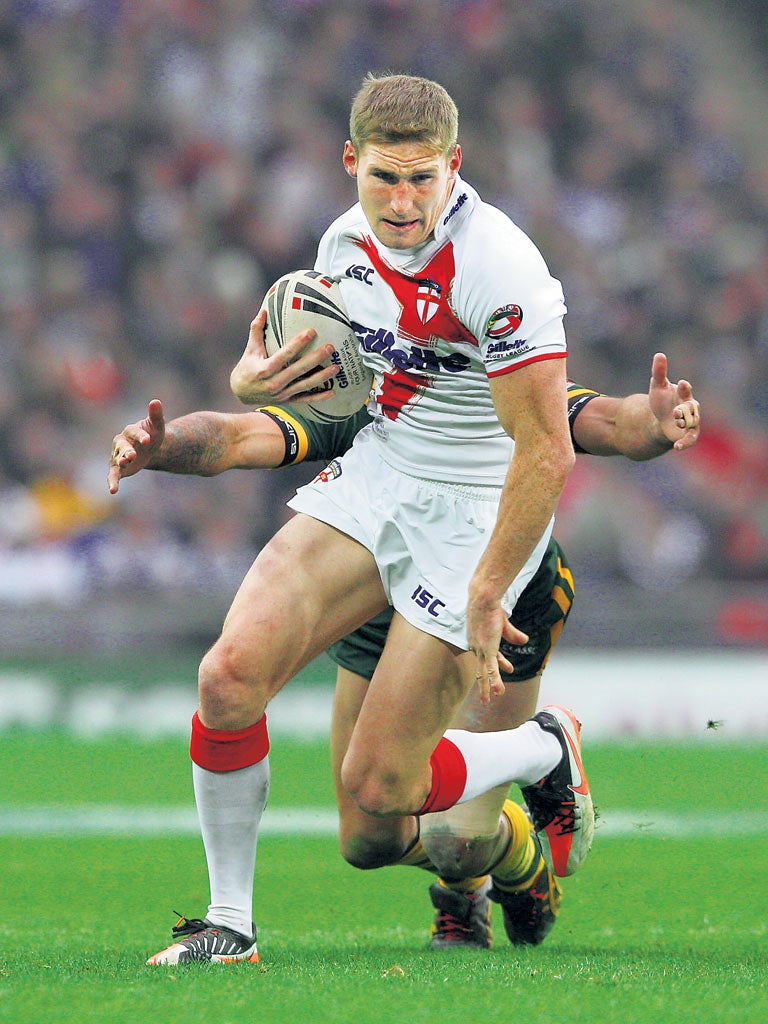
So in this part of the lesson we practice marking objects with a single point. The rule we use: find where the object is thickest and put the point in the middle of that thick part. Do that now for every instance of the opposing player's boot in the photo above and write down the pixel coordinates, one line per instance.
(530, 913)
(462, 919)
(201, 940)
(560, 804)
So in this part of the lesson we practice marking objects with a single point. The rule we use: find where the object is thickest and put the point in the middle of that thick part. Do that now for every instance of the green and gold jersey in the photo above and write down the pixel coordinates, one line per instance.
(308, 440)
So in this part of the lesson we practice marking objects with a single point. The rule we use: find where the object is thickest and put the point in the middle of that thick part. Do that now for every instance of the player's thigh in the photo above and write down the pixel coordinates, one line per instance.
(417, 686)
(309, 585)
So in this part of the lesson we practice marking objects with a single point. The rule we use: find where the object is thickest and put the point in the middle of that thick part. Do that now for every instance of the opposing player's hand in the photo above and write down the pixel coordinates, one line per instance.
(487, 625)
(134, 446)
(286, 376)
(676, 410)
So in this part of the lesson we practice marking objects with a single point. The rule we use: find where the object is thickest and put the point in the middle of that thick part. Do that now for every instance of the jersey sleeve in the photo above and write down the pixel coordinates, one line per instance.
(307, 440)
(329, 242)
(510, 301)
(323, 257)
(577, 397)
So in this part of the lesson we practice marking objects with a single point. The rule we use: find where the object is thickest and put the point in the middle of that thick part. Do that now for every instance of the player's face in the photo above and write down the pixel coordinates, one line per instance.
(403, 188)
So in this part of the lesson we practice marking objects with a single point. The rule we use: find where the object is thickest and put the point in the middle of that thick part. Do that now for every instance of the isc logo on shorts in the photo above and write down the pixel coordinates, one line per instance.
(424, 599)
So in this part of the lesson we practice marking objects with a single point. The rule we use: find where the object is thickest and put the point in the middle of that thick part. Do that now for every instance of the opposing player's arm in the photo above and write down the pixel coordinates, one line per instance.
(201, 443)
(639, 427)
(208, 443)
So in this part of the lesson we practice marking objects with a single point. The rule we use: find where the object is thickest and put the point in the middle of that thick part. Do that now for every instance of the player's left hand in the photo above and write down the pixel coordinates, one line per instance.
(135, 445)
(676, 410)
(487, 625)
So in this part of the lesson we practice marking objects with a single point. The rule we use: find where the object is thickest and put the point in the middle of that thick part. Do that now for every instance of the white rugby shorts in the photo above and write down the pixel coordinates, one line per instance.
(426, 536)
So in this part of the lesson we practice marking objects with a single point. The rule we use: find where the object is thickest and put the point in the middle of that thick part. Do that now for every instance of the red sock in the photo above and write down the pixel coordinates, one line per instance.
(222, 750)
(449, 777)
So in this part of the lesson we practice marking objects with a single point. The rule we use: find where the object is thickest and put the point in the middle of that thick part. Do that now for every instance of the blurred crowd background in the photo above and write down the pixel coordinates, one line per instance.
(162, 161)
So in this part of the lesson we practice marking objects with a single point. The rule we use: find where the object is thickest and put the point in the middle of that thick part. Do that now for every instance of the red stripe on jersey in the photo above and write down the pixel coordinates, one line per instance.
(526, 362)
(222, 750)
(399, 389)
(424, 297)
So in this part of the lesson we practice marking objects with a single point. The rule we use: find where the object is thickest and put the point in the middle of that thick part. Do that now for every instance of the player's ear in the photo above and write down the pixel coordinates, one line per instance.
(454, 162)
(349, 159)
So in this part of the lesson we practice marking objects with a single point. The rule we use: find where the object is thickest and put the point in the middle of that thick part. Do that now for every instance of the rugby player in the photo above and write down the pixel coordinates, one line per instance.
(443, 508)
(208, 443)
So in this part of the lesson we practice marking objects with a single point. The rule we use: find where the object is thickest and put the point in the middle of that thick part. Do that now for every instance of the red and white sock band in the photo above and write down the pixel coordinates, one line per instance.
(222, 750)
(449, 777)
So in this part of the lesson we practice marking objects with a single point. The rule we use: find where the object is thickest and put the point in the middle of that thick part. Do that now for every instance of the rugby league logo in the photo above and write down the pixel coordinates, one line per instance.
(504, 321)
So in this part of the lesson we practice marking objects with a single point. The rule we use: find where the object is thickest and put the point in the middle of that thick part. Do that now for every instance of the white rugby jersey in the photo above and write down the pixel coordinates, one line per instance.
(434, 323)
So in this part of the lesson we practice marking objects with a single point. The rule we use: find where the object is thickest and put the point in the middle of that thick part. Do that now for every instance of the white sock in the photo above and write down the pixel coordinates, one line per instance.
(523, 755)
(229, 806)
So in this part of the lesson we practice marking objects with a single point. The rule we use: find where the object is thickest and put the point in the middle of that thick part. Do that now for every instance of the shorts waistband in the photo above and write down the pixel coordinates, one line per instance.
(476, 492)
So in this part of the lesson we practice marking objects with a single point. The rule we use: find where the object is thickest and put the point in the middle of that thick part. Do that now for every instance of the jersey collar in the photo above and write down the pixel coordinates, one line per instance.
(460, 203)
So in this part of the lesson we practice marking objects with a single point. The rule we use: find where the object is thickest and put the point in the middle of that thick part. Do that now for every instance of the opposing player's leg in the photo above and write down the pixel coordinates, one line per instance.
(333, 585)
(463, 918)
(491, 836)
(530, 906)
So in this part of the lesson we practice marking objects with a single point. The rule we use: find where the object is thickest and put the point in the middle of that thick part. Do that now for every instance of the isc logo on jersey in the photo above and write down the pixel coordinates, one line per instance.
(504, 321)
(360, 273)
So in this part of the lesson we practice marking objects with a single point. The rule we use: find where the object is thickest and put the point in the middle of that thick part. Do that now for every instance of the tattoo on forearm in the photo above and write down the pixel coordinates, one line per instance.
(192, 444)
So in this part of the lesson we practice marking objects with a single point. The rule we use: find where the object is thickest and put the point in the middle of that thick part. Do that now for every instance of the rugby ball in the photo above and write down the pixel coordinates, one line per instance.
(304, 299)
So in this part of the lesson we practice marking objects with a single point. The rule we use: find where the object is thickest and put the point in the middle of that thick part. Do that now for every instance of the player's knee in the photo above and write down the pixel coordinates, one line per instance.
(467, 838)
(228, 694)
(367, 853)
(375, 790)
(457, 856)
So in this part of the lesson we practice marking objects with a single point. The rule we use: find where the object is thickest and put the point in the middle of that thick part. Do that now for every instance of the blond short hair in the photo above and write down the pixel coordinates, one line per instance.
(402, 108)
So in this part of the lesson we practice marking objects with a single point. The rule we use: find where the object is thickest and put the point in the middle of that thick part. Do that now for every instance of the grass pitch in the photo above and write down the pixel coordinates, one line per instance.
(653, 929)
